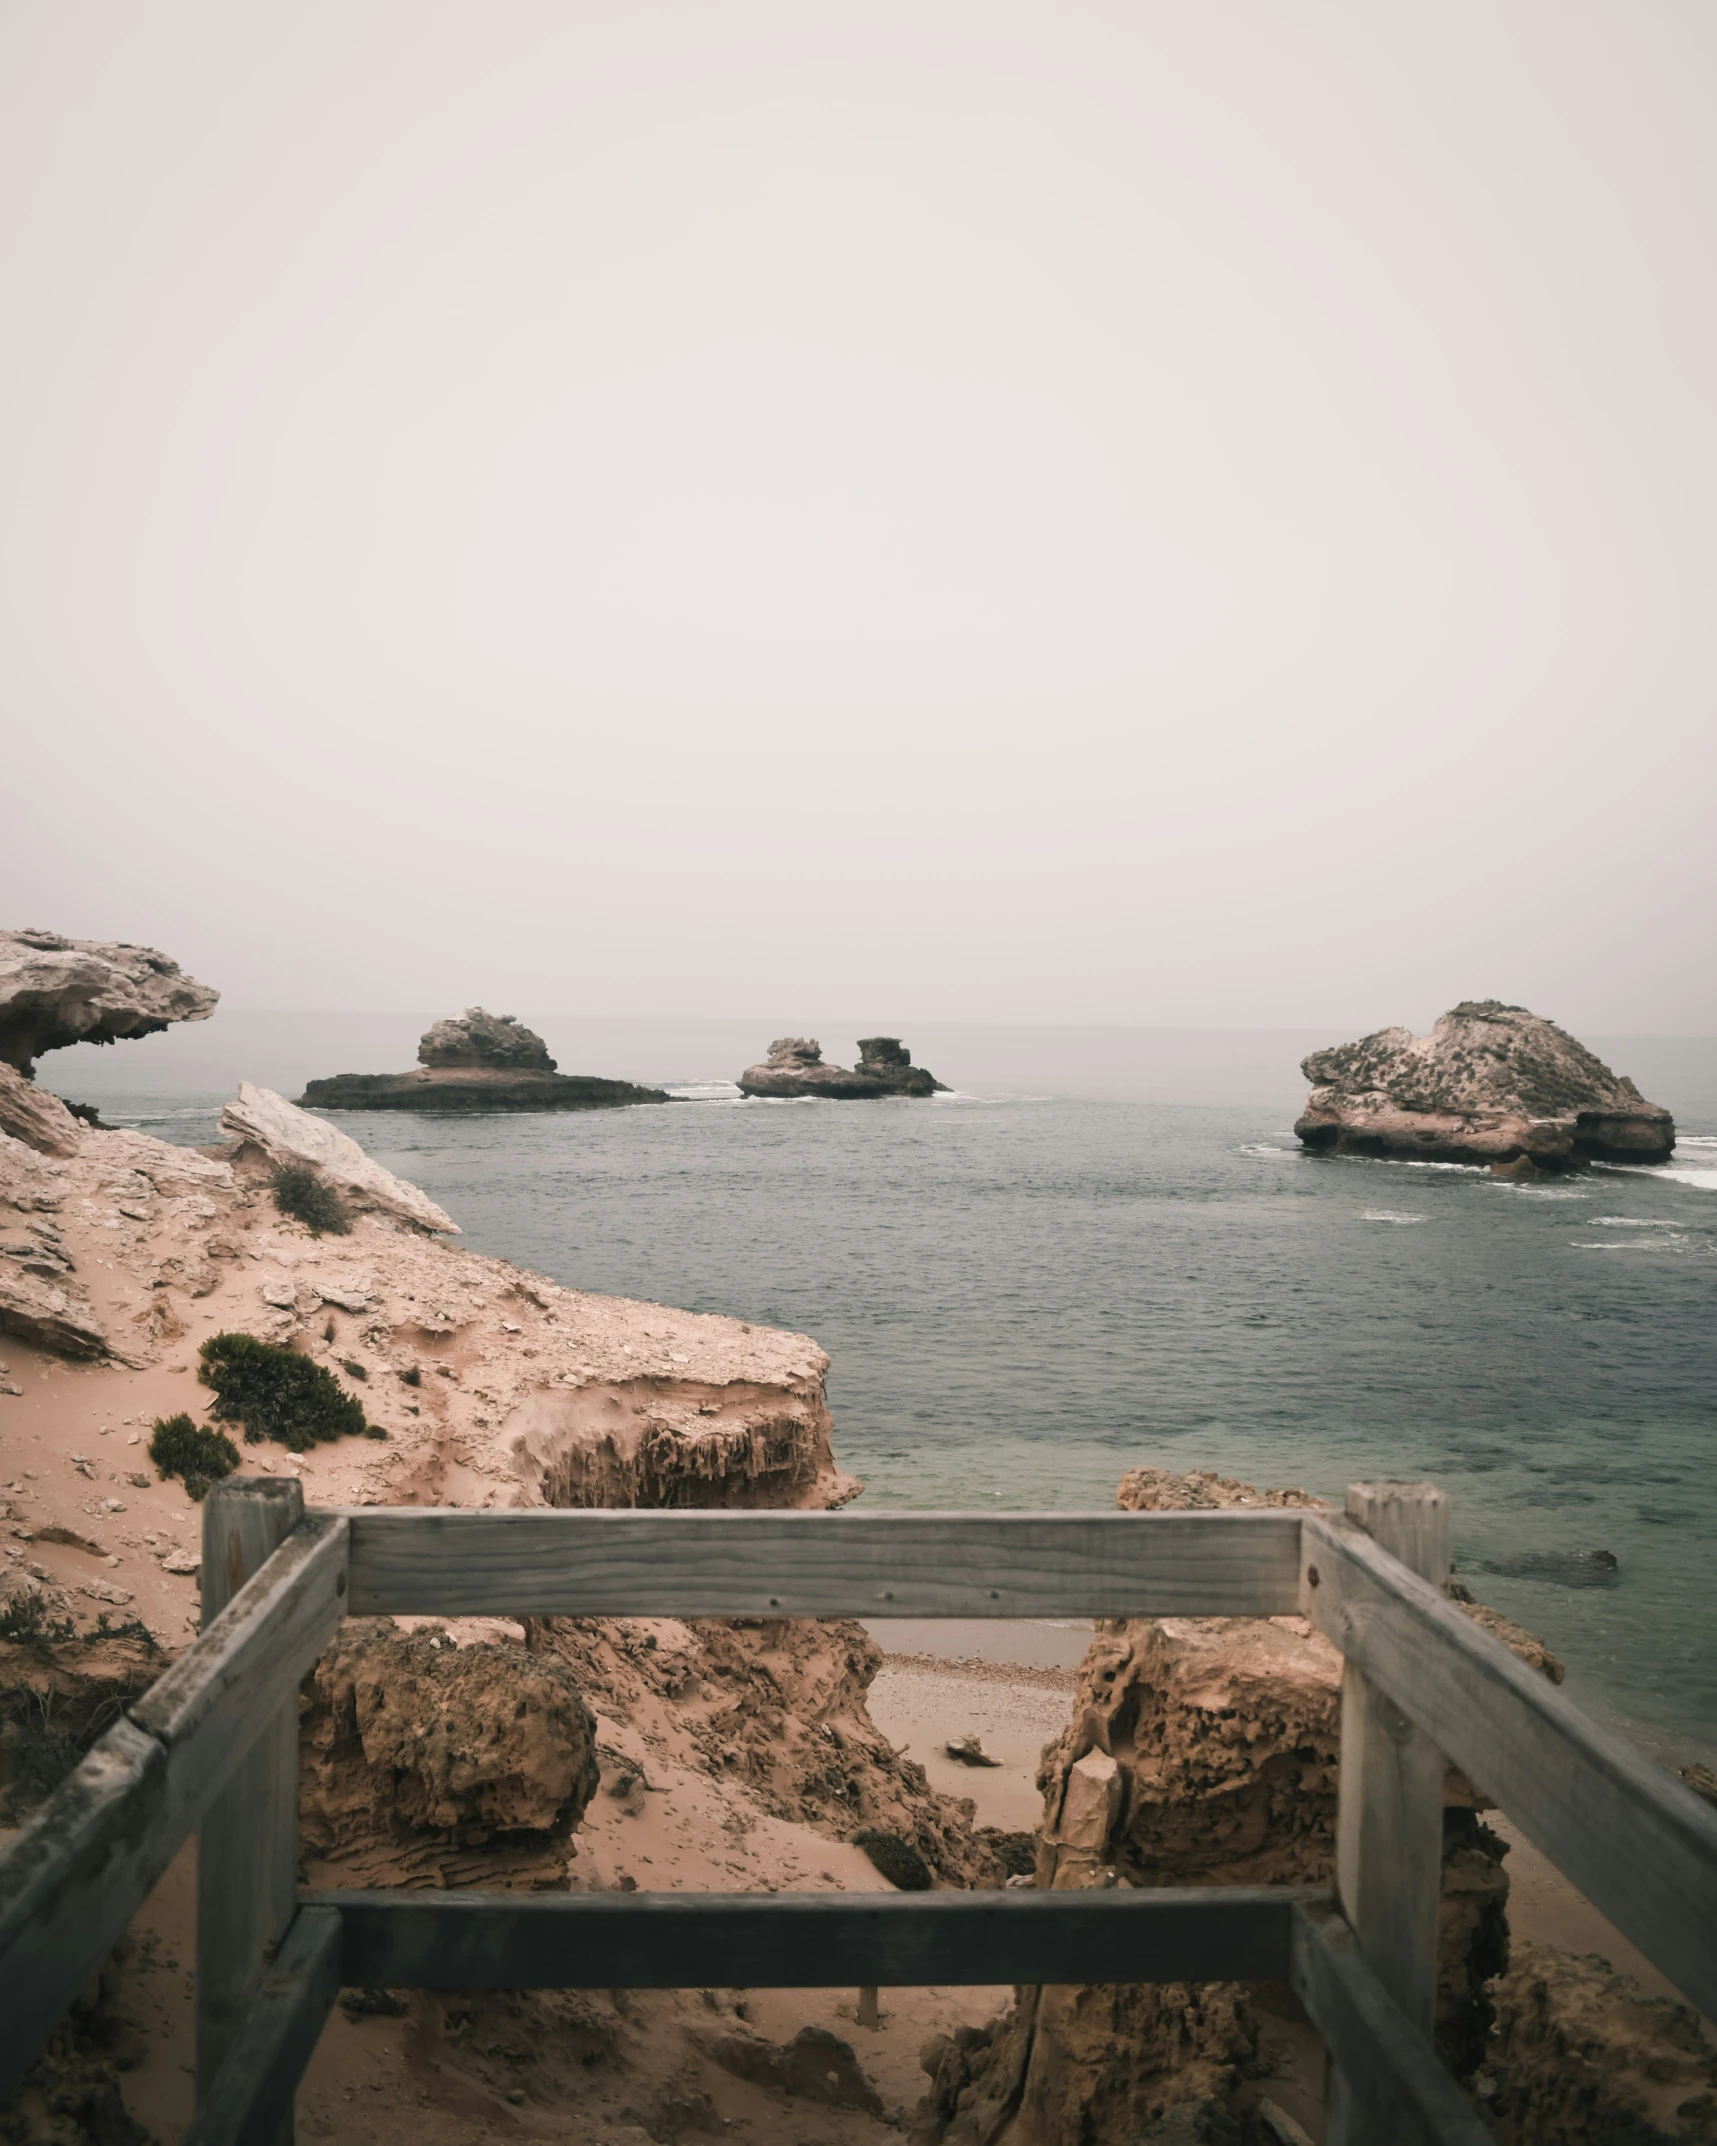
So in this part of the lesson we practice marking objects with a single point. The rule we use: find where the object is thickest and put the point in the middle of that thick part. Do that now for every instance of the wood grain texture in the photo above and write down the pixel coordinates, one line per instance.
(813, 1940)
(1391, 2069)
(247, 1848)
(276, 2040)
(1389, 1822)
(1639, 1844)
(211, 1705)
(70, 1881)
(722, 1564)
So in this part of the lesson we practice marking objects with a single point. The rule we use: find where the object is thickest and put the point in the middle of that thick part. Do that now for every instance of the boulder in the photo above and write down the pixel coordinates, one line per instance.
(56, 991)
(34, 1116)
(1490, 1084)
(285, 1134)
(421, 1757)
(795, 1067)
(477, 1038)
(35, 1310)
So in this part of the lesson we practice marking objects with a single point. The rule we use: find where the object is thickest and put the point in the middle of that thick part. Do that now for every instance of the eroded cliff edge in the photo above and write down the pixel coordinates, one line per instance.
(1490, 1084)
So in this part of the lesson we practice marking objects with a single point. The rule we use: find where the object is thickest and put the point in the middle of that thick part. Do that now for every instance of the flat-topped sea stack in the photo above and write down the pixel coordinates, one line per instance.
(481, 1061)
(1490, 1084)
(795, 1068)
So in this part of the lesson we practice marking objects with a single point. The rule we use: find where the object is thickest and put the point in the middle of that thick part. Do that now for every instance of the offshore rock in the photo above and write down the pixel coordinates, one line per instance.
(795, 1068)
(261, 1119)
(479, 1062)
(56, 991)
(477, 1038)
(1490, 1084)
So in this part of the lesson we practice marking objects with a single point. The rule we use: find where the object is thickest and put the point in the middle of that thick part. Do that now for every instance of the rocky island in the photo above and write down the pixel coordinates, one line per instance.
(1490, 1084)
(479, 1061)
(795, 1068)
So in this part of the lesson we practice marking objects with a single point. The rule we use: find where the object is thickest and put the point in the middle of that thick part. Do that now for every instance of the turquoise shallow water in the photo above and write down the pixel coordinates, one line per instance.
(1025, 1292)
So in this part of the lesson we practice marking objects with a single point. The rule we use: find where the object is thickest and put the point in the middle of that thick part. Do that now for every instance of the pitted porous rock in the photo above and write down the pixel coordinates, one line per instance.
(424, 1762)
(1582, 2054)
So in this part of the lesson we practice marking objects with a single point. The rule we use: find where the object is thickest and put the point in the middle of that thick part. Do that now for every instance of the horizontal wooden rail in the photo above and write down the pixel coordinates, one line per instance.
(466, 1940)
(441, 1562)
(1638, 1843)
(85, 1862)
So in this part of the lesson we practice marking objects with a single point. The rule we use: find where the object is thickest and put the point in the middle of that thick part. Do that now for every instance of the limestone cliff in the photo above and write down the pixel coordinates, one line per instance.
(1490, 1084)
(56, 991)
(795, 1068)
(478, 1062)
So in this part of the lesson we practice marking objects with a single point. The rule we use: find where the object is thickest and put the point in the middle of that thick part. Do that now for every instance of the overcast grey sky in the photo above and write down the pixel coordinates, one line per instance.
(965, 509)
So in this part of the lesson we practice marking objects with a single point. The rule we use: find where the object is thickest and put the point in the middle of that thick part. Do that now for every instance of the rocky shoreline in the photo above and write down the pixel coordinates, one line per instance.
(1491, 1085)
(661, 1753)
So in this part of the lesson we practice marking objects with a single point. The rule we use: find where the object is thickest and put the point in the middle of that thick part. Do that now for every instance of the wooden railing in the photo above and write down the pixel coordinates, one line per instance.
(212, 1748)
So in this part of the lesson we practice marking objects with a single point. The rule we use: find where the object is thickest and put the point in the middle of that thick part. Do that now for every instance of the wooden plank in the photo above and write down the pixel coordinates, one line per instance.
(813, 1940)
(1639, 1844)
(78, 1872)
(247, 1849)
(223, 1691)
(1393, 2068)
(269, 2053)
(1389, 1823)
(70, 1881)
(725, 1564)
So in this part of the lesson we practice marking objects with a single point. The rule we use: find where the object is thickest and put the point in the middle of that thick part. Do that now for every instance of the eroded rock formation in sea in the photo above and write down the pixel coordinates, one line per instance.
(477, 1062)
(795, 1067)
(1490, 1084)
(56, 991)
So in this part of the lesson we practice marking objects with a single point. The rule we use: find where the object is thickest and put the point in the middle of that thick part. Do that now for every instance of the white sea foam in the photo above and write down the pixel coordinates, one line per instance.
(1388, 1214)
(1263, 1147)
(1625, 1222)
(1625, 1244)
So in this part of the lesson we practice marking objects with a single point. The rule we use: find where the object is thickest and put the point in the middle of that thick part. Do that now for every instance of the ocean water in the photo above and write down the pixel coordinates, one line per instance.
(1107, 1249)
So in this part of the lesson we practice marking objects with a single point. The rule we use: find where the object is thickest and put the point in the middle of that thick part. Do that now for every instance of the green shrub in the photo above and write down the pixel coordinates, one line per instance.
(276, 1393)
(310, 1199)
(199, 1457)
(897, 1859)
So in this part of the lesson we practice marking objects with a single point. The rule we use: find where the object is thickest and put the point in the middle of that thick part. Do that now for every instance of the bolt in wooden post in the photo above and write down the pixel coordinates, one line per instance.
(247, 1847)
(1389, 1824)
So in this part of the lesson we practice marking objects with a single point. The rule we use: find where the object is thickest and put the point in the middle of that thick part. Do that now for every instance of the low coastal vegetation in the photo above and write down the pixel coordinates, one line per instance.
(310, 1199)
(198, 1456)
(276, 1393)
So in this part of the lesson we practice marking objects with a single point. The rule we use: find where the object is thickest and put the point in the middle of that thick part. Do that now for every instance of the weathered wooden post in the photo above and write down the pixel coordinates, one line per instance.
(1389, 1822)
(247, 1847)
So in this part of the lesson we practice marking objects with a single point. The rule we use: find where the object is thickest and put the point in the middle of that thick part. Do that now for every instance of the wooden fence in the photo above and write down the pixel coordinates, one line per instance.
(213, 1748)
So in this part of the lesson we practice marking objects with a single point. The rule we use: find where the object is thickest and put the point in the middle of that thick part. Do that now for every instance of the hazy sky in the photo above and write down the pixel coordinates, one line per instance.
(1133, 512)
